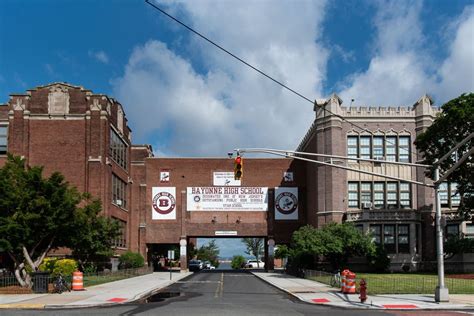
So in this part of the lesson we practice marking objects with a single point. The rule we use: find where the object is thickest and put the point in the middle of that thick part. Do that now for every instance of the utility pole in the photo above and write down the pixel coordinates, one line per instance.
(441, 292)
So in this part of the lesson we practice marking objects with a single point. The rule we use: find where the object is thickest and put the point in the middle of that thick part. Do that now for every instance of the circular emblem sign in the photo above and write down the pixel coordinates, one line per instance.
(164, 203)
(286, 203)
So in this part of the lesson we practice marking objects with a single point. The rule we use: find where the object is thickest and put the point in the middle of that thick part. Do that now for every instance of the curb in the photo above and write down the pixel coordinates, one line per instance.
(366, 307)
(134, 299)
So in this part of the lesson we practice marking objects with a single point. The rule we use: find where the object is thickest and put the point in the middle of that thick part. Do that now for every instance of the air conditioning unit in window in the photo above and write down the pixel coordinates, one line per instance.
(118, 202)
(366, 205)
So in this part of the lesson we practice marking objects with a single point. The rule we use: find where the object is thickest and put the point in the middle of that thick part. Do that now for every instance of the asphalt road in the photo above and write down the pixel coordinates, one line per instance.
(217, 293)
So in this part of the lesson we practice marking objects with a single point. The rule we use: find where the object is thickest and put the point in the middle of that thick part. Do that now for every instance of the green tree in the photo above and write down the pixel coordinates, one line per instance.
(37, 215)
(451, 126)
(282, 251)
(209, 252)
(254, 247)
(337, 243)
(458, 244)
(96, 233)
(238, 262)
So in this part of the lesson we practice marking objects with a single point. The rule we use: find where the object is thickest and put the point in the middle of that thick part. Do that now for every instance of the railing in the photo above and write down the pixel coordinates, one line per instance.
(10, 285)
(398, 283)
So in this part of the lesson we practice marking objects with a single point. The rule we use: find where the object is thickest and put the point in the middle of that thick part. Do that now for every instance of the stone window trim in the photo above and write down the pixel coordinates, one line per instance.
(380, 195)
(390, 146)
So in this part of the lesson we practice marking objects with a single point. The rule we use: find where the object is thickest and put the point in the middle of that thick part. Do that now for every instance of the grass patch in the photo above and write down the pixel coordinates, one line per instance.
(401, 283)
(100, 279)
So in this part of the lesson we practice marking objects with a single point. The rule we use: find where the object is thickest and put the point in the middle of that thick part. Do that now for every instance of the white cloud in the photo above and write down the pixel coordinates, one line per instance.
(229, 105)
(99, 55)
(402, 70)
(457, 71)
(49, 69)
(397, 73)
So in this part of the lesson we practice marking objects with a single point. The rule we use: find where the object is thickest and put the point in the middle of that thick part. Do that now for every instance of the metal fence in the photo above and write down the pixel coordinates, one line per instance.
(398, 283)
(10, 285)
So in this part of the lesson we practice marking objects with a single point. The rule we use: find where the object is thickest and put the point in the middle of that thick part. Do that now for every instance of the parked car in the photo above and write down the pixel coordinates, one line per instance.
(195, 265)
(255, 264)
(206, 265)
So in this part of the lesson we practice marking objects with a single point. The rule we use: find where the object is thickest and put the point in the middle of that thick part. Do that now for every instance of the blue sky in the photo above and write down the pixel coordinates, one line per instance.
(188, 99)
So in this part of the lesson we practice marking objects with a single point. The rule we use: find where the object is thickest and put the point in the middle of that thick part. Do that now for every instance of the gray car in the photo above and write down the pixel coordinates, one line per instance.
(195, 265)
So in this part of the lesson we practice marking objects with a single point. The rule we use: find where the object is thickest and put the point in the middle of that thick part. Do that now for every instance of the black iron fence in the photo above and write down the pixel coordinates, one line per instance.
(399, 283)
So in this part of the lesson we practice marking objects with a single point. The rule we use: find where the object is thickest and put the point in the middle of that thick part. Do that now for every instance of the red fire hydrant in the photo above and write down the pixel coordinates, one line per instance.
(363, 291)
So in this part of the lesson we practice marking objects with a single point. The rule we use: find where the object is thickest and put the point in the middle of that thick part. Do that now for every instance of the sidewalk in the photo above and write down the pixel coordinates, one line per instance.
(123, 291)
(318, 293)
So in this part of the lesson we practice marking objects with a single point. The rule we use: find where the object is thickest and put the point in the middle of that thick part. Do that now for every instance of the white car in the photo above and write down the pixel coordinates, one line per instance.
(255, 264)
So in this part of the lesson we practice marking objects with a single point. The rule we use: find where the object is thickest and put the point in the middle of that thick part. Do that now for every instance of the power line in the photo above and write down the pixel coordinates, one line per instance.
(258, 70)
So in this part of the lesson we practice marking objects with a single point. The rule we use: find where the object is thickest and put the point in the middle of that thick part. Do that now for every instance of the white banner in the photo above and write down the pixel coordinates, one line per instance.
(286, 203)
(227, 199)
(222, 178)
(163, 204)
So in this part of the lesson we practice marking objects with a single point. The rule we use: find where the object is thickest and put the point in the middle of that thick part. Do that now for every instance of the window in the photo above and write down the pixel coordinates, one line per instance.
(119, 192)
(443, 194)
(3, 139)
(455, 196)
(121, 240)
(392, 201)
(389, 238)
(448, 195)
(404, 148)
(377, 149)
(353, 200)
(469, 231)
(118, 149)
(391, 148)
(365, 193)
(396, 238)
(360, 228)
(375, 231)
(379, 194)
(405, 200)
(452, 230)
(352, 146)
(403, 239)
(365, 147)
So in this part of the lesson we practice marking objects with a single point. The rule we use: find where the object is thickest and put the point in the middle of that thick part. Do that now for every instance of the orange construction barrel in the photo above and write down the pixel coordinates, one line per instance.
(350, 283)
(343, 280)
(77, 281)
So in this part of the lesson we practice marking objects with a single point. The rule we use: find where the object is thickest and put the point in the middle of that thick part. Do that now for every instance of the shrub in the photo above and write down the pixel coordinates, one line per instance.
(56, 266)
(48, 264)
(238, 262)
(379, 262)
(65, 267)
(131, 260)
